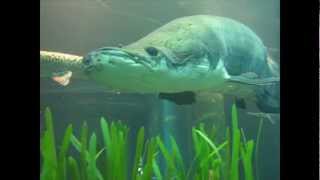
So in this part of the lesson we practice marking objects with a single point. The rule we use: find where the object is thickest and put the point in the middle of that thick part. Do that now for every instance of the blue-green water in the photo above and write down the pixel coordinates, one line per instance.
(79, 26)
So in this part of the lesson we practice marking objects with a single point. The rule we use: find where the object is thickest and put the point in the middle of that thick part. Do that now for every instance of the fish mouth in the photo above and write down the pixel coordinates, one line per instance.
(89, 68)
(122, 56)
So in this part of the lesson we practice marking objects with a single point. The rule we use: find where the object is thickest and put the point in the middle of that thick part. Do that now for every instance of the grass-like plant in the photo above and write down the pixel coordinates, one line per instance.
(211, 160)
(242, 149)
(54, 164)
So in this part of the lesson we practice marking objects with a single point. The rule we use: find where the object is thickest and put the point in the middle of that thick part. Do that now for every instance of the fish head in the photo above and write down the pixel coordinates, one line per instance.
(147, 69)
(122, 68)
(146, 59)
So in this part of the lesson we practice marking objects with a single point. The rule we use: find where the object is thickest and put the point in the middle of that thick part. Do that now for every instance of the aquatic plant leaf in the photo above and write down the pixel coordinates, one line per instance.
(177, 152)
(99, 153)
(221, 146)
(205, 149)
(115, 141)
(228, 155)
(93, 172)
(234, 117)
(107, 142)
(114, 149)
(62, 154)
(76, 143)
(147, 170)
(122, 148)
(83, 151)
(235, 145)
(235, 155)
(156, 170)
(202, 151)
(243, 136)
(48, 170)
(257, 149)
(105, 130)
(168, 158)
(196, 142)
(212, 145)
(246, 154)
(50, 138)
(93, 146)
(91, 167)
(48, 150)
(138, 153)
(193, 167)
(75, 175)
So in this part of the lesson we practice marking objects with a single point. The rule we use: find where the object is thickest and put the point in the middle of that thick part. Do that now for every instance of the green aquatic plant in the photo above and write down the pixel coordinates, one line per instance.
(74, 168)
(242, 149)
(234, 175)
(207, 161)
(88, 156)
(115, 137)
(144, 171)
(257, 149)
(213, 159)
(246, 151)
(173, 159)
(53, 165)
(115, 141)
(138, 153)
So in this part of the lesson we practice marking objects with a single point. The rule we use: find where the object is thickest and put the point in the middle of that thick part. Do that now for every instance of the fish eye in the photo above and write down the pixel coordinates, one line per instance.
(98, 59)
(152, 51)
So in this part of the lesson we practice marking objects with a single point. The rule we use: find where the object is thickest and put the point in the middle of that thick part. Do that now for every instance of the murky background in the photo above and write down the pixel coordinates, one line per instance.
(79, 26)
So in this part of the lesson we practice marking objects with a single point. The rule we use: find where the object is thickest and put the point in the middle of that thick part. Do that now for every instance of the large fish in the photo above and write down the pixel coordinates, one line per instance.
(190, 55)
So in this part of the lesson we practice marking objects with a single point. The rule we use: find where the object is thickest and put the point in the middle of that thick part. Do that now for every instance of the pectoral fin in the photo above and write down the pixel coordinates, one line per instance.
(241, 103)
(263, 116)
(252, 79)
(62, 78)
(181, 98)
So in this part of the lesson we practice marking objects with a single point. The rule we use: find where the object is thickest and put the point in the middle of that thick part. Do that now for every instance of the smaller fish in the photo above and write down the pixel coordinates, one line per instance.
(60, 67)
(63, 79)
(261, 115)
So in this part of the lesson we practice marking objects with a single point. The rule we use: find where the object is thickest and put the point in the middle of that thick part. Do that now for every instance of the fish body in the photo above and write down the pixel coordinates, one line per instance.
(190, 55)
(185, 57)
